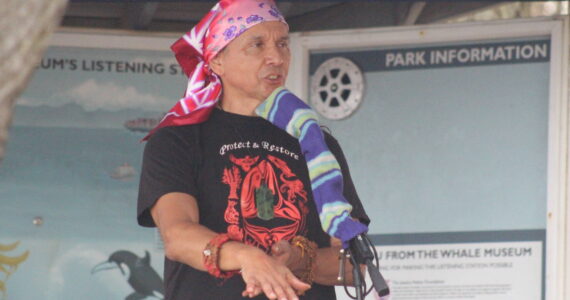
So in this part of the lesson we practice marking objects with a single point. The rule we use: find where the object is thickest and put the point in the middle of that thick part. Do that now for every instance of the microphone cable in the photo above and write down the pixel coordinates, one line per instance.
(359, 281)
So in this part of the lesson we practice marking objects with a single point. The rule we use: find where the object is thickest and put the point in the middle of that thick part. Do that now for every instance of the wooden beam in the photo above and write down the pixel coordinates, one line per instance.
(438, 11)
(94, 9)
(414, 13)
(138, 15)
(345, 15)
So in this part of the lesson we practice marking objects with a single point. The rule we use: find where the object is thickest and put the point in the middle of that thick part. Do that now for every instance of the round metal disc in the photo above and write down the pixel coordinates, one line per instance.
(337, 88)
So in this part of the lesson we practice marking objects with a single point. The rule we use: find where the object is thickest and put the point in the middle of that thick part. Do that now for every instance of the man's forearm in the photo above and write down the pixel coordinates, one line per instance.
(176, 215)
(185, 243)
(326, 267)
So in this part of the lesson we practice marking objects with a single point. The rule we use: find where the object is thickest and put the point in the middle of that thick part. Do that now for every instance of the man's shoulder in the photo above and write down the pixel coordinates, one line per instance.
(177, 131)
(184, 136)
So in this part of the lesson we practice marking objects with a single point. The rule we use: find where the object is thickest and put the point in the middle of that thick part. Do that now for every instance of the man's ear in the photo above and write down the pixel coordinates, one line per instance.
(216, 64)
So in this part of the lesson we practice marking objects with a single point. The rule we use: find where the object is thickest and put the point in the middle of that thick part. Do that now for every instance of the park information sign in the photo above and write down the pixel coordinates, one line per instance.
(453, 152)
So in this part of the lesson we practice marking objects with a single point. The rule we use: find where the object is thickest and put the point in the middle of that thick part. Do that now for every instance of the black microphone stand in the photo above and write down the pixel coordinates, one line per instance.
(362, 252)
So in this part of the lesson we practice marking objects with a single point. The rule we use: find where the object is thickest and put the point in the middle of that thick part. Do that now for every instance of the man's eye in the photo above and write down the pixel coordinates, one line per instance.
(257, 44)
(283, 45)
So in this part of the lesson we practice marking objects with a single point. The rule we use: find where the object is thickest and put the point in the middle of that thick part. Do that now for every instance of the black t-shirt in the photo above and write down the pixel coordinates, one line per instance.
(249, 178)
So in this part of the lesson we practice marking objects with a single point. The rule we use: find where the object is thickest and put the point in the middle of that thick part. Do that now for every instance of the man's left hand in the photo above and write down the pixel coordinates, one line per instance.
(288, 255)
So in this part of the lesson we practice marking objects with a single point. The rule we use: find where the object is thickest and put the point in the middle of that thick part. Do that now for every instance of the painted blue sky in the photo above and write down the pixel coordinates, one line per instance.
(68, 83)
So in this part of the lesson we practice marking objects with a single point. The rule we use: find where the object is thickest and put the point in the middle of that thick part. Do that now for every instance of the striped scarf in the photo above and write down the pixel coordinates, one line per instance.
(284, 110)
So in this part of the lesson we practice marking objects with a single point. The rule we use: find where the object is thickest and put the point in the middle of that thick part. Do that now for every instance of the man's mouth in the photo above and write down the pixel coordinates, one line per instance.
(274, 78)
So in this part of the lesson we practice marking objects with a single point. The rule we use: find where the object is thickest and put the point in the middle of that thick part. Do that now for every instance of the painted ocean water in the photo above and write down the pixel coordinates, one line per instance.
(64, 176)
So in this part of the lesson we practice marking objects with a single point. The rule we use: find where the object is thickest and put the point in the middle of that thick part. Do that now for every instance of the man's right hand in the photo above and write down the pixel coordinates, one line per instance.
(263, 273)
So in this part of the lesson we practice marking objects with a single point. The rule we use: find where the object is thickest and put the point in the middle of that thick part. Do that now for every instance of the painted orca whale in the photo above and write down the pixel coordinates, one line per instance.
(141, 276)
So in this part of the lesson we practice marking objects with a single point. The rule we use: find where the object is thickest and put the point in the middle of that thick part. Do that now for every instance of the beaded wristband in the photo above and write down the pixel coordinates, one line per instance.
(308, 251)
(211, 259)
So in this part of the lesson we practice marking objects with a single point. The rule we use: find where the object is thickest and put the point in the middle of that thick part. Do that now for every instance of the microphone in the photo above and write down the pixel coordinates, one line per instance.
(361, 253)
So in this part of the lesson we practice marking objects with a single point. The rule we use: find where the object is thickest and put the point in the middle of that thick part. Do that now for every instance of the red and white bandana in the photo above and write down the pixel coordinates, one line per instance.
(225, 21)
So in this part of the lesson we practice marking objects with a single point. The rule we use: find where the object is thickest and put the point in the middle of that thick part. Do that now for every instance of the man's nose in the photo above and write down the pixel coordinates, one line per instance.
(275, 55)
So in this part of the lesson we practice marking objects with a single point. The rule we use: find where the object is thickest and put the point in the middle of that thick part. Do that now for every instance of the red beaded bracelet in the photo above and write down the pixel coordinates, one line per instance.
(211, 258)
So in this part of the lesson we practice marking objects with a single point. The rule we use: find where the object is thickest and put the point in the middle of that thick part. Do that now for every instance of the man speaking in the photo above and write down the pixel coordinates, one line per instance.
(238, 176)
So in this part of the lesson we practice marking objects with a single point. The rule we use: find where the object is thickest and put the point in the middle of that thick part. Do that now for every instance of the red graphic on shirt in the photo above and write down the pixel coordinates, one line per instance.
(290, 200)
(233, 179)
(245, 163)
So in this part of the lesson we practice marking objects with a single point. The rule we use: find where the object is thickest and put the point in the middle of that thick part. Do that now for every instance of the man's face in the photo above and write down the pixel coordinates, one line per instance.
(255, 63)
